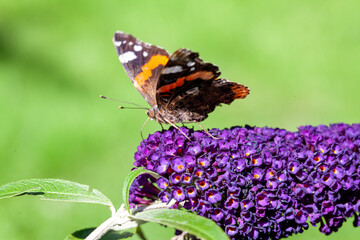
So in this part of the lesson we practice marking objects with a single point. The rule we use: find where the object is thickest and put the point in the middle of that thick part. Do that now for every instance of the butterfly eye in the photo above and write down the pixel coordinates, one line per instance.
(150, 113)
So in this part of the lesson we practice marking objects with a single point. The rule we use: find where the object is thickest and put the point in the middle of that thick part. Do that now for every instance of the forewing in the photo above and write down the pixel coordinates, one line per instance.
(202, 100)
(142, 62)
(183, 71)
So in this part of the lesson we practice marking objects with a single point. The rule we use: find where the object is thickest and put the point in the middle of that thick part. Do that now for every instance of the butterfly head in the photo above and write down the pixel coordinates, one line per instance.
(150, 113)
(156, 114)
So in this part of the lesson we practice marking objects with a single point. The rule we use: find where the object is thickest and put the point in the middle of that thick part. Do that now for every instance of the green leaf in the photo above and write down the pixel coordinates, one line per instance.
(128, 181)
(190, 222)
(111, 235)
(54, 189)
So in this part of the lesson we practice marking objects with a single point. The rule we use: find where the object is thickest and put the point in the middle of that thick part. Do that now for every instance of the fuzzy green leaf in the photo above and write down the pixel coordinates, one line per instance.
(194, 224)
(111, 235)
(128, 181)
(54, 189)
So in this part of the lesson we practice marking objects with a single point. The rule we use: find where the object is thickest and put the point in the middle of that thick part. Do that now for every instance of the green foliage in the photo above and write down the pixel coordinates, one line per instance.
(111, 235)
(129, 179)
(61, 190)
(199, 226)
(54, 189)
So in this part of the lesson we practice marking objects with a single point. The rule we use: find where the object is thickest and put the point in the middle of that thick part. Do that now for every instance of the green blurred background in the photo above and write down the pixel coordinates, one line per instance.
(299, 58)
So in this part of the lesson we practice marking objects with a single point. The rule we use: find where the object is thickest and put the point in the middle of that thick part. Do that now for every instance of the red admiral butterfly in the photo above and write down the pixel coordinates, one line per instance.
(181, 87)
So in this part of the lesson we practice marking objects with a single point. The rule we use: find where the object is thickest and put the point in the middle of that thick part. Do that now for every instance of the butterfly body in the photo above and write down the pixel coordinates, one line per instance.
(180, 87)
(174, 116)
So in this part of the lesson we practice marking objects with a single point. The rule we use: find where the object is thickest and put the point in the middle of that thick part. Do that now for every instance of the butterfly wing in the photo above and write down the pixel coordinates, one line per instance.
(189, 88)
(183, 71)
(142, 62)
(201, 100)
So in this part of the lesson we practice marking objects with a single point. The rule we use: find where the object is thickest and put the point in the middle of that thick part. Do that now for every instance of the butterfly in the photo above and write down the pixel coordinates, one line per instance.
(180, 88)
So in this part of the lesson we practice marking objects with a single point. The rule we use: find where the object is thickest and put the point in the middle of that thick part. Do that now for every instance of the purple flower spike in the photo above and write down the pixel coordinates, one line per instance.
(256, 183)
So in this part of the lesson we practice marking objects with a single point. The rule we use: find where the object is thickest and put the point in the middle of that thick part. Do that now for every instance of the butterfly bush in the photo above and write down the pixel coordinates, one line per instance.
(256, 183)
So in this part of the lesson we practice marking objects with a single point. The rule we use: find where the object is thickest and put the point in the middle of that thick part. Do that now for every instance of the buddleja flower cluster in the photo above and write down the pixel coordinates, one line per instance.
(256, 183)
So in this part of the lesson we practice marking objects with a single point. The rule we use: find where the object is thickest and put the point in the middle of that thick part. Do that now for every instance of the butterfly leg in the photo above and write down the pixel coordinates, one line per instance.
(176, 128)
(206, 131)
(143, 128)
(162, 128)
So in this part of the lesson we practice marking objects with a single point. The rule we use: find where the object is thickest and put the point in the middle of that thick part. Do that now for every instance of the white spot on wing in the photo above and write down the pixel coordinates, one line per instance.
(130, 43)
(174, 69)
(124, 41)
(194, 90)
(117, 43)
(127, 57)
(190, 64)
(145, 54)
(192, 69)
(137, 48)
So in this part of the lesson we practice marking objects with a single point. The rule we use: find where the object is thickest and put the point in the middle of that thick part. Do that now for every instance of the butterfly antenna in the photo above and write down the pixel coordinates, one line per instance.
(121, 107)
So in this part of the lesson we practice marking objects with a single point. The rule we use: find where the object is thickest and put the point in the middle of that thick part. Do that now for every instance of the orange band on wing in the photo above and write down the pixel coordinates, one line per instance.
(146, 73)
(166, 88)
(240, 91)
(205, 75)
